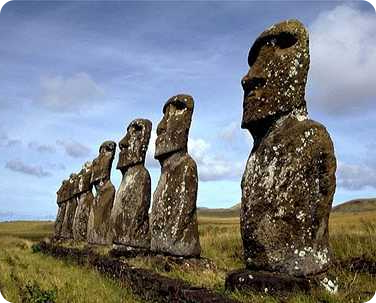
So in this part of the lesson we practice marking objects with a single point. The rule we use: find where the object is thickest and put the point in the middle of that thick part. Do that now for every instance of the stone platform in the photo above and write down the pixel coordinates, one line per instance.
(144, 283)
(266, 282)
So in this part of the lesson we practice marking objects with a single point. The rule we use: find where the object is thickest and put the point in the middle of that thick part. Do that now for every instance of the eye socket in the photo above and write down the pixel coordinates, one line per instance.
(179, 105)
(282, 40)
(137, 127)
(286, 40)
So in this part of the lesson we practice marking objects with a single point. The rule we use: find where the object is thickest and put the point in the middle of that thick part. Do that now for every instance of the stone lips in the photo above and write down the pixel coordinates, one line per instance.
(129, 216)
(134, 145)
(173, 129)
(289, 180)
(275, 83)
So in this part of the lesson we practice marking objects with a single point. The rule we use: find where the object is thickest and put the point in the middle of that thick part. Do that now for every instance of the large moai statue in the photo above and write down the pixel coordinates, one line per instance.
(174, 227)
(62, 198)
(129, 216)
(99, 219)
(289, 180)
(85, 200)
(70, 211)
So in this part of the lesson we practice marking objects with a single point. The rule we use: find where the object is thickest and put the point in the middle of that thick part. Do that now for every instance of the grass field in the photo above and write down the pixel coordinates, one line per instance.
(31, 277)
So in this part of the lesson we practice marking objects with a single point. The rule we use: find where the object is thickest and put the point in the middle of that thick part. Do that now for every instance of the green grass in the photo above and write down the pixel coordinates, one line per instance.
(32, 277)
(351, 235)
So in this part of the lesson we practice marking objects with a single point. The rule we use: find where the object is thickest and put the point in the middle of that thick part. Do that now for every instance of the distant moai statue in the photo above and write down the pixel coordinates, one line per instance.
(99, 219)
(85, 199)
(62, 198)
(67, 227)
(129, 216)
(289, 180)
(174, 227)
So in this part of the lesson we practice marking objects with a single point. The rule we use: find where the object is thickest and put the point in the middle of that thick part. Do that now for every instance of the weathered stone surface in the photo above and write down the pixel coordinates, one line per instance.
(100, 212)
(289, 180)
(266, 282)
(61, 202)
(70, 209)
(174, 227)
(129, 216)
(85, 199)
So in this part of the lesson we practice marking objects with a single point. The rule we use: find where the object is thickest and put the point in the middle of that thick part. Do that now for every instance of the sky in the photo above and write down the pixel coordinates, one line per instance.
(76, 73)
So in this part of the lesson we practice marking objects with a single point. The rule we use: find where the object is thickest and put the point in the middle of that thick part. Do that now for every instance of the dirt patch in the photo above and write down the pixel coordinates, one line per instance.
(144, 283)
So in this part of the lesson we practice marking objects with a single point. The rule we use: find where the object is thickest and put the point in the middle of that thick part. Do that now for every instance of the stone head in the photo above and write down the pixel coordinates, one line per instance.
(134, 145)
(101, 166)
(62, 192)
(73, 180)
(84, 177)
(275, 83)
(173, 129)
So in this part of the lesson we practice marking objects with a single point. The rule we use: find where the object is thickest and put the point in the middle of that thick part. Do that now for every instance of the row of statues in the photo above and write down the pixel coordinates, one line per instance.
(121, 217)
(287, 187)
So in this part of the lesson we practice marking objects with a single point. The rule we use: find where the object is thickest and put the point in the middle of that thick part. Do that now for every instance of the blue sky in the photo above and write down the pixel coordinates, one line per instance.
(74, 74)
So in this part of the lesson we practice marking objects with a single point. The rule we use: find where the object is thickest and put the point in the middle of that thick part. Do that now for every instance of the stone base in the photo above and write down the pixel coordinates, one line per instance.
(167, 263)
(128, 251)
(145, 283)
(161, 261)
(266, 282)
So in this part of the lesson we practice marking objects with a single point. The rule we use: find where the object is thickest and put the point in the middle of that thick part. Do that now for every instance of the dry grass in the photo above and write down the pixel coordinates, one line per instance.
(351, 235)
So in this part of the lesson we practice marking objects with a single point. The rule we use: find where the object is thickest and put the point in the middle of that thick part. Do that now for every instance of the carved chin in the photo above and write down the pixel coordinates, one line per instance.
(162, 149)
(128, 160)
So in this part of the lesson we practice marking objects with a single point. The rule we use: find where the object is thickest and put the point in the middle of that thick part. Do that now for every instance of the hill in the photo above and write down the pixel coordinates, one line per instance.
(354, 206)
(233, 211)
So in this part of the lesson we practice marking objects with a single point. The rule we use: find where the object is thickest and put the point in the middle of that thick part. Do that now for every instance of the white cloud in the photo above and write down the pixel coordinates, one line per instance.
(230, 132)
(7, 142)
(212, 167)
(74, 149)
(343, 59)
(41, 148)
(355, 177)
(21, 167)
(150, 161)
(70, 93)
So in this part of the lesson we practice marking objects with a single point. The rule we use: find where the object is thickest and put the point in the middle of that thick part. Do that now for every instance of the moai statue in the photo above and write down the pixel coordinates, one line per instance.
(129, 216)
(62, 197)
(289, 180)
(174, 227)
(85, 200)
(99, 219)
(70, 211)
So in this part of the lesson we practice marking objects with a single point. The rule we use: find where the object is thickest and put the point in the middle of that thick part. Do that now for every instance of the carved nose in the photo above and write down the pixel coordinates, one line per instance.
(124, 145)
(161, 127)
